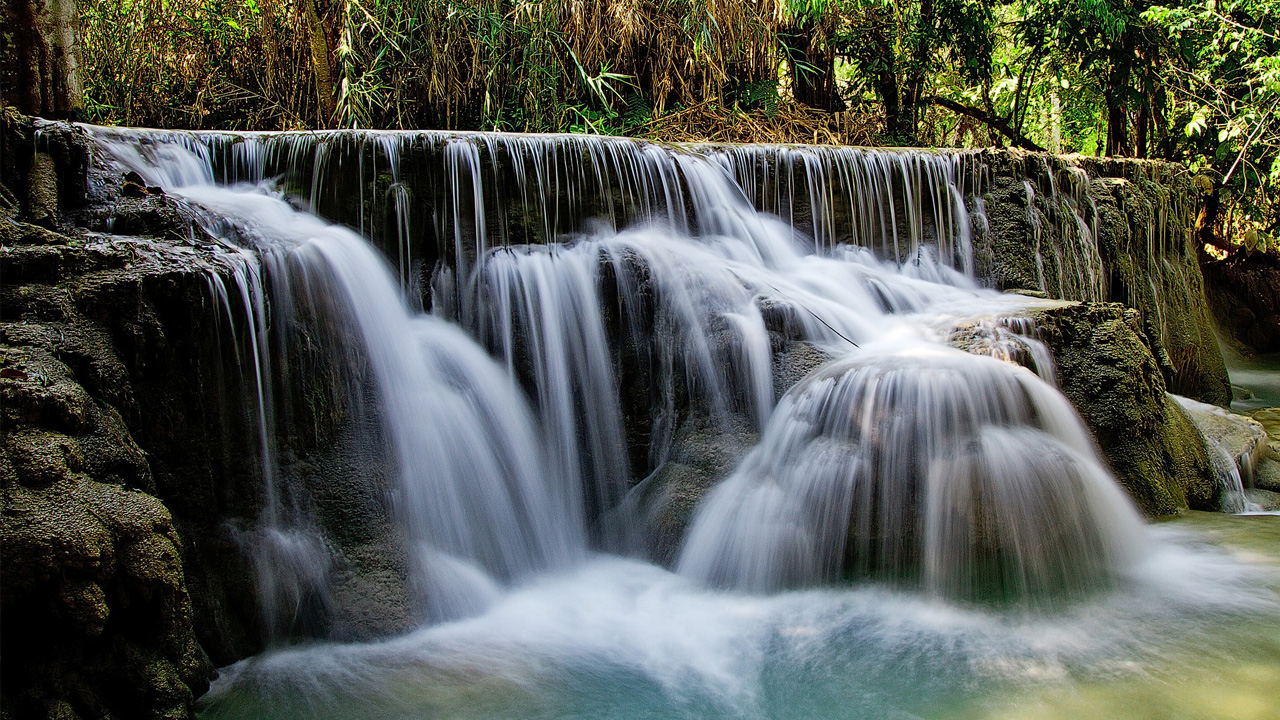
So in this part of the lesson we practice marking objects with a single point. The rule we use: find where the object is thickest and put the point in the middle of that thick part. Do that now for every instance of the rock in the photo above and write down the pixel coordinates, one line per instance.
(1266, 471)
(795, 361)
(1266, 500)
(705, 451)
(97, 618)
(41, 458)
(1266, 476)
(42, 196)
(119, 396)
(1243, 439)
(1140, 253)
(702, 455)
(1269, 418)
(1027, 292)
(1106, 368)
(93, 595)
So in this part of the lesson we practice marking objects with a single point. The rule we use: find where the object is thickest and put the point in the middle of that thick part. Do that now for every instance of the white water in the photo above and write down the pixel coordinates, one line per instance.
(472, 491)
(956, 470)
(959, 491)
(623, 639)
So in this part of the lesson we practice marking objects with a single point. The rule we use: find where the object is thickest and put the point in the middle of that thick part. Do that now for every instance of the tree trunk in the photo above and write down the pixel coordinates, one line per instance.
(320, 64)
(1117, 125)
(1207, 220)
(1119, 142)
(1142, 124)
(896, 123)
(40, 67)
(913, 96)
(1055, 120)
(812, 66)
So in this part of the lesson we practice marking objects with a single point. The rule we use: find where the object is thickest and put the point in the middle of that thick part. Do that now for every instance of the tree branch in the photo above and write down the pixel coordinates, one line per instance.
(992, 121)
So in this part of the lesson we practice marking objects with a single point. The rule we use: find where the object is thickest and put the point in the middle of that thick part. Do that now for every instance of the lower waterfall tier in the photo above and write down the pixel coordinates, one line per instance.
(921, 466)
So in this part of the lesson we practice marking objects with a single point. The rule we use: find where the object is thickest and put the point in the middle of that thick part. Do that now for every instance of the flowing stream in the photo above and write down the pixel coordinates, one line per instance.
(909, 530)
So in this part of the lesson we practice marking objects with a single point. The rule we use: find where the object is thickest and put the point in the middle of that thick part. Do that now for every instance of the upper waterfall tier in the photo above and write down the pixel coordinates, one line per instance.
(1072, 227)
(468, 192)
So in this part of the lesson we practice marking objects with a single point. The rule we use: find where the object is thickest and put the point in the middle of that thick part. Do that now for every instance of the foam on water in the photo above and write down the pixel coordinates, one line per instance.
(623, 639)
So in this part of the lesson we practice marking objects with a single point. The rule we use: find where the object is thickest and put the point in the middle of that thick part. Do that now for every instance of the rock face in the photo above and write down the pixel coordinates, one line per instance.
(133, 487)
(701, 456)
(1107, 367)
(98, 618)
(1107, 230)
(124, 403)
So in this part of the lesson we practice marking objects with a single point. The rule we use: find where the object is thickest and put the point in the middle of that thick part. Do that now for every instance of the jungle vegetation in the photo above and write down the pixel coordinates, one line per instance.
(1191, 81)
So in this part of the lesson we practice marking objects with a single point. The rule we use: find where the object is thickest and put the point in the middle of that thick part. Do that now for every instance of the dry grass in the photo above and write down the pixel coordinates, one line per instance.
(790, 123)
(474, 64)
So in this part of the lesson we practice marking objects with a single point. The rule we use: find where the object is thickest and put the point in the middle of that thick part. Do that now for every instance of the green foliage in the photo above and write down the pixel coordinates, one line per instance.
(182, 63)
(1228, 100)
(902, 53)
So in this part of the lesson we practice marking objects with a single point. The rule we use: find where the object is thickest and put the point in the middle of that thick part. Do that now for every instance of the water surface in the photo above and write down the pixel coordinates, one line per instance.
(1194, 632)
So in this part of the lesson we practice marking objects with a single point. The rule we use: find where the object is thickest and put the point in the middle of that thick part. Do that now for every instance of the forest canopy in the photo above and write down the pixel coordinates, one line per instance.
(1191, 81)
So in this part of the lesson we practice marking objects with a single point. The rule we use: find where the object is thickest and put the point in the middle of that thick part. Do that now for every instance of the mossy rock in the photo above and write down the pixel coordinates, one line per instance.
(1106, 368)
(703, 454)
(1137, 250)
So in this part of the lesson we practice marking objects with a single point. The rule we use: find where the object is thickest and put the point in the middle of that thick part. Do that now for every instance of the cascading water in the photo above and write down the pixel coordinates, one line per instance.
(472, 493)
(924, 474)
(967, 476)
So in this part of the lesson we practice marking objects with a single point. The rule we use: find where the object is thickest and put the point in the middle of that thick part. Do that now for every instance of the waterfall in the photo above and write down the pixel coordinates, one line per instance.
(1234, 470)
(587, 297)
(920, 464)
(472, 491)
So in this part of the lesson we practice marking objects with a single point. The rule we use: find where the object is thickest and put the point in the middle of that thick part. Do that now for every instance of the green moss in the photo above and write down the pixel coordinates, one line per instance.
(1107, 370)
(1138, 251)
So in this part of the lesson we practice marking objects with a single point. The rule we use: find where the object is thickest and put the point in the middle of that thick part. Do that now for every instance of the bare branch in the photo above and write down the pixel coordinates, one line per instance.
(990, 120)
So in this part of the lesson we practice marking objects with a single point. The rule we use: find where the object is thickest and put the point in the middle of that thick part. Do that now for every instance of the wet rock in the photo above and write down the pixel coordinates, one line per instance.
(94, 595)
(372, 596)
(1266, 476)
(1266, 471)
(796, 361)
(1106, 368)
(1243, 439)
(42, 195)
(1269, 418)
(1136, 250)
(1028, 292)
(116, 374)
(705, 451)
(41, 458)
(703, 454)
(1266, 500)
(97, 619)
